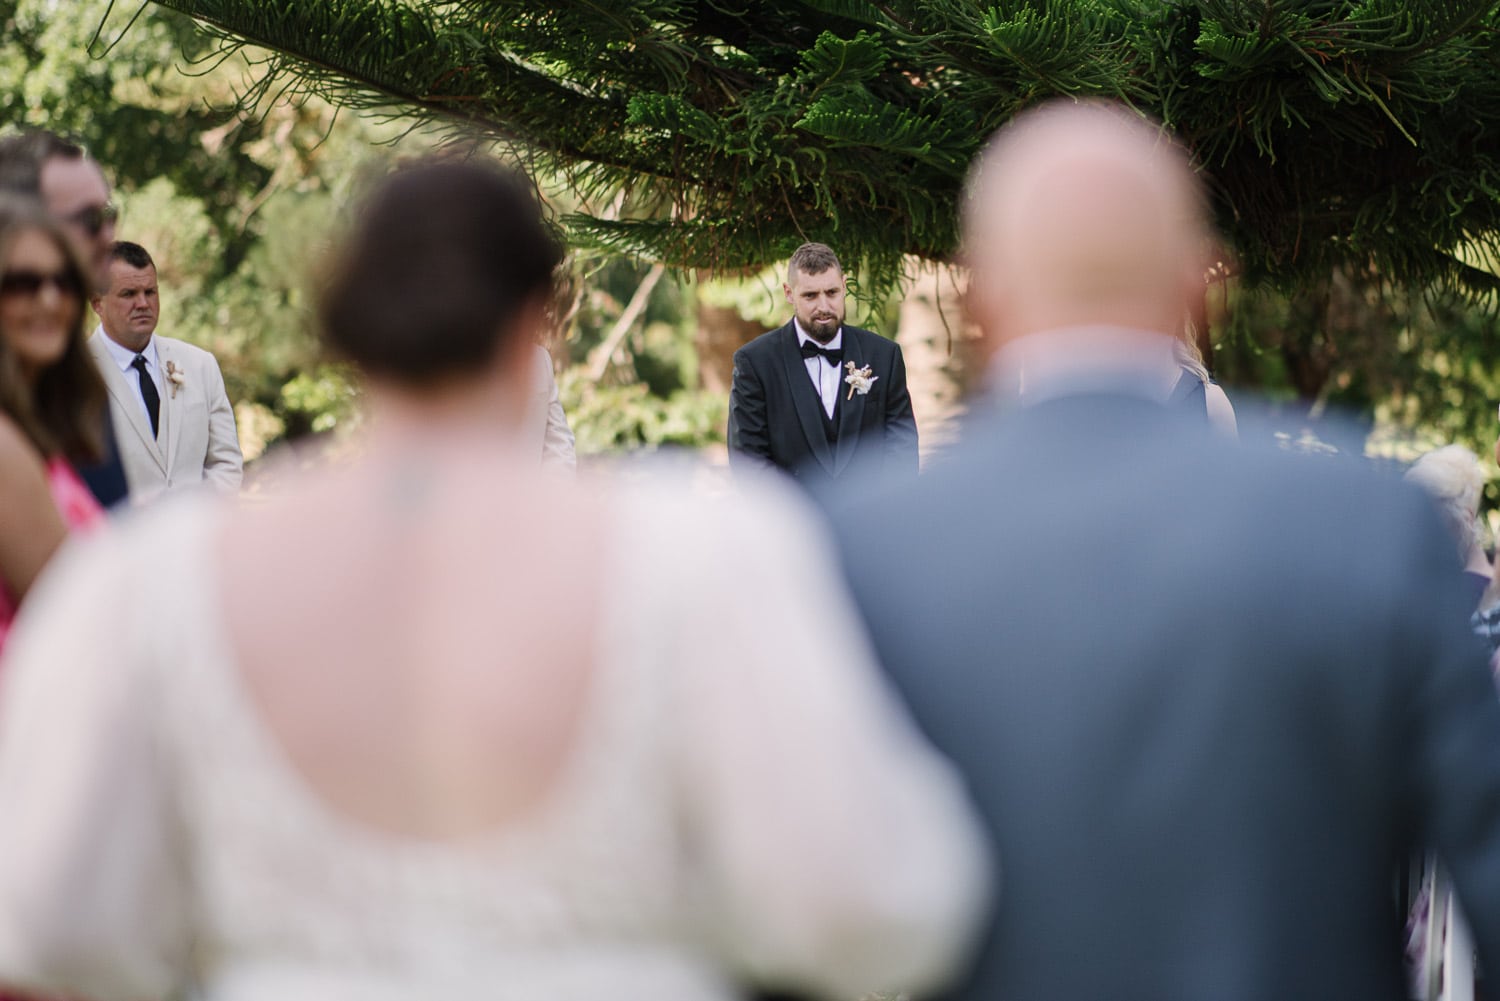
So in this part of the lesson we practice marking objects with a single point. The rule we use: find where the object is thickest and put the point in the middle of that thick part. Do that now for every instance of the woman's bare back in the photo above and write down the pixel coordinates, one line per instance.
(435, 620)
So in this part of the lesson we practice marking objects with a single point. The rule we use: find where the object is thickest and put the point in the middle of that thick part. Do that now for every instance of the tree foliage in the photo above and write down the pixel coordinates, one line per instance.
(1346, 144)
(239, 208)
(1335, 134)
(233, 207)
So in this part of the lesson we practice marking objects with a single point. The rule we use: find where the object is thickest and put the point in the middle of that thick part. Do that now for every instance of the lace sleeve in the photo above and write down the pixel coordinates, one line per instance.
(91, 893)
(838, 852)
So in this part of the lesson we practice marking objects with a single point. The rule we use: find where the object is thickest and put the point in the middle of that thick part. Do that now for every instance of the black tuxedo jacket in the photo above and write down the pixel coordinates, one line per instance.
(776, 418)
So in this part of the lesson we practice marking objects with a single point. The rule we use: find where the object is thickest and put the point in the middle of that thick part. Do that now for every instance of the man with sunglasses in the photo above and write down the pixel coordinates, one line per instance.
(44, 166)
(71, 185)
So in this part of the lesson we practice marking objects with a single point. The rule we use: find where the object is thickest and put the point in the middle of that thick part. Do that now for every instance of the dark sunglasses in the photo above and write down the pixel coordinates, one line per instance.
(31, 282)
(94, 218)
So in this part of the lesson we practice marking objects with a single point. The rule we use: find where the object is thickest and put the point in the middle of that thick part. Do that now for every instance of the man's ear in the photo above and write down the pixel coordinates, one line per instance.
(94, 301)
(786, 290)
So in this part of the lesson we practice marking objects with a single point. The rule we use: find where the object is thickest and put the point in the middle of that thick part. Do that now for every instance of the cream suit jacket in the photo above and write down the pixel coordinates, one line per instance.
(196, 442)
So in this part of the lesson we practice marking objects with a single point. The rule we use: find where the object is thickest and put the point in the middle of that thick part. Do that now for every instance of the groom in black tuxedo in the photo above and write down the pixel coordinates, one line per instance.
(815, 398)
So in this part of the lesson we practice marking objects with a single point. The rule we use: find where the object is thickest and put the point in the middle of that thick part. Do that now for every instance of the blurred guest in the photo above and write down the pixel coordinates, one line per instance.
(1486, 618)
(1196, 391)
(1167, 370)
(167, 396)
(41, 164)
(435, 723)
(1452, 477)
(549, 420)
(50, 398)
(72, 187)
(1200, 782)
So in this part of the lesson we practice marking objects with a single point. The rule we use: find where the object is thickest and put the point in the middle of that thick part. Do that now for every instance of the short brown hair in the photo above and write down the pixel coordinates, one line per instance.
(812, 259)
(133, 254)
(432, 280)
(63, 413)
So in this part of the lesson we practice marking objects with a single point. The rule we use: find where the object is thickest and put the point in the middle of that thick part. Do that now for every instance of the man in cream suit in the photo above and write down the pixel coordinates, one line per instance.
(167, 398)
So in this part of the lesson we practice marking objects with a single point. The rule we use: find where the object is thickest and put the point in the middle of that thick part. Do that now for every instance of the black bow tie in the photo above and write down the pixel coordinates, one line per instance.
(835, 356)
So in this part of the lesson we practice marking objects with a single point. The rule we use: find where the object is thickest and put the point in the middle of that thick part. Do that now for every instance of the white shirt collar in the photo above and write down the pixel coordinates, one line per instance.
(834, 344)
(1068, 360)
(123, 356)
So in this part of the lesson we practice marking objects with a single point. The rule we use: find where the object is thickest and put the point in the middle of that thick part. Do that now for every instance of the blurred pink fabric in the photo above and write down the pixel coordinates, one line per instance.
(80, 512)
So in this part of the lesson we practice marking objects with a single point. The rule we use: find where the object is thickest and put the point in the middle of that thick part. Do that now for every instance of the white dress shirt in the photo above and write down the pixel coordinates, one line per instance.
(125, 358)
(825, 374)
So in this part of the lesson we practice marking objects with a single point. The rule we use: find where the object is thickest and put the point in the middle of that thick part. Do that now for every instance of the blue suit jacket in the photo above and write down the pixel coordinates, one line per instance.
(1207, 699)
(106, 478)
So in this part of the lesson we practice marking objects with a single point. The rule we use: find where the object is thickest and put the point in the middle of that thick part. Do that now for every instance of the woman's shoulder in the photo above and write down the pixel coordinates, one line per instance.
(170, 536)
(705, 538)
(187, 514)
(17, 452)
(689, 498)
(24, 481)
(108, 590)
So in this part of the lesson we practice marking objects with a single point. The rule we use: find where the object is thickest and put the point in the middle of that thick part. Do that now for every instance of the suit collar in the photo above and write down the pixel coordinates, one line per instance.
(170, 357)
(123, 356)
(125, 397)
(1095, 418)
(851, 406)
(805, 399)
(850, 413)
(1077, 361)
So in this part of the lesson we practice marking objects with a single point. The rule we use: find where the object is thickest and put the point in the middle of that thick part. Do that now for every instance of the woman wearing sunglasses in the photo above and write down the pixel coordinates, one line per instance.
(51, 398)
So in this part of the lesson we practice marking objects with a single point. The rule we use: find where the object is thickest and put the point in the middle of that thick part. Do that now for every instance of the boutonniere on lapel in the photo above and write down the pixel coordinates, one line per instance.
(175, 377)
(859, 379)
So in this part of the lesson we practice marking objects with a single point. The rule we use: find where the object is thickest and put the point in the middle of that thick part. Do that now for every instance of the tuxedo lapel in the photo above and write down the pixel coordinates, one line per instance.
(851, 408)
(127, 400)
(805, 398)
(167, 432)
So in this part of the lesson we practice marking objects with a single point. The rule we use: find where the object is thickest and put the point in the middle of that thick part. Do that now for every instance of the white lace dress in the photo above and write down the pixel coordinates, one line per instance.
(746, 805)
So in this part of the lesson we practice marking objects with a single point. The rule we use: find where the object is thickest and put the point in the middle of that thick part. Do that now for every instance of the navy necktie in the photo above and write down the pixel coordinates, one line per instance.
(148, 392)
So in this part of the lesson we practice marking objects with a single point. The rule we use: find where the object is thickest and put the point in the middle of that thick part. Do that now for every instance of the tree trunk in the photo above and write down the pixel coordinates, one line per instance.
(940, 348)
(721, 332)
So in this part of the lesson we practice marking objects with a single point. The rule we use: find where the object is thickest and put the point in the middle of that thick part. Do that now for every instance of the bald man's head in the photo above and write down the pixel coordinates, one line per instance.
(1084, 214)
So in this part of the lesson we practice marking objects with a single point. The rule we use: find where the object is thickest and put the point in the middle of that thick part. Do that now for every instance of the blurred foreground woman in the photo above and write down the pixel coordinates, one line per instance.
(51, 398)
(434, 724)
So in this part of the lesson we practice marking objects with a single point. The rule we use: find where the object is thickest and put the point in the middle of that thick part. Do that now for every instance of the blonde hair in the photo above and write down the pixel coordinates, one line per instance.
(1452, 476)
(1189, 355)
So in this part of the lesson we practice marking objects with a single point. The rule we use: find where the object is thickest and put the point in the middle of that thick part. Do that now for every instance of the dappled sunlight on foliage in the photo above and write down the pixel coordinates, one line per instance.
(239, 194)
(626, 417)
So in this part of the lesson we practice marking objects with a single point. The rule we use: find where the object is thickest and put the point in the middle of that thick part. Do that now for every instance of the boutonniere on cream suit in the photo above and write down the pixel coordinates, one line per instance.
(196, 441)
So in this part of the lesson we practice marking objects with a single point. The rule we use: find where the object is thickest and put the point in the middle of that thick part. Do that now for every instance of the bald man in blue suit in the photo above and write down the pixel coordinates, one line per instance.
(1207, 698)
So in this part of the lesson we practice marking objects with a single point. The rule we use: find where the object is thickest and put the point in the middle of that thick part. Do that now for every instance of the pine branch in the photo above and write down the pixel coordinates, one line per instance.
(1333, 134)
